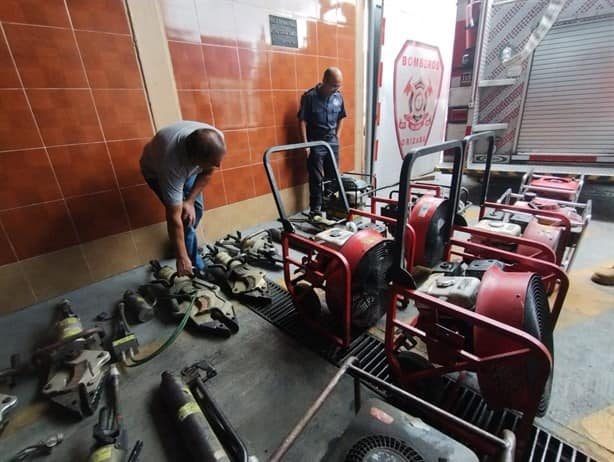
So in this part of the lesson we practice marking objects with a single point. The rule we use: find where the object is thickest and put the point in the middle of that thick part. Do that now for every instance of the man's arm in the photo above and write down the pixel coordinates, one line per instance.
(302, 123)
(303, 130)
(174, 225)
(339, 127)
(201, 181)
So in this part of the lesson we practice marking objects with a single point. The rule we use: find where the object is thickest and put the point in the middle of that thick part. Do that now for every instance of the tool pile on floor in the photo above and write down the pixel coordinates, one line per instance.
(81, 364)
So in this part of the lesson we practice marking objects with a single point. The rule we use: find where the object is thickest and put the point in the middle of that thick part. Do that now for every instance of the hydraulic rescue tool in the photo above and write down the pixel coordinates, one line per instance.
(138, 307)
(125, 344)
(42, 448)
(76, 362)
(109, 435)
(235, 275)
(210, 313)
(205, 430)
(257, 248)
(7, 405)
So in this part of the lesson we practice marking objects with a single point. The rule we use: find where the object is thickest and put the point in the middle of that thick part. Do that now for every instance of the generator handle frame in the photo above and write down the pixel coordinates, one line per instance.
(400, 273)
(283, 216)
(468, 142)
(528, 346)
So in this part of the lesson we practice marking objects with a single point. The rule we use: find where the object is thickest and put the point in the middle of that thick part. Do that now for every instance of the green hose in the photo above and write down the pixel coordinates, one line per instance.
(170, 340)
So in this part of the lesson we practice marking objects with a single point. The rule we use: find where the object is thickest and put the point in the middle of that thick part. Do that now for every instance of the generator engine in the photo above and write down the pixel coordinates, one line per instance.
(517, 299)
(499, 227)
(380, 432)
(369, 257)
(356, 191)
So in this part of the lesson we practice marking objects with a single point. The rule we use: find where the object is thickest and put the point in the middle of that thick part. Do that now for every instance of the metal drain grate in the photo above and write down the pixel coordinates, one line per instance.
(546, 447)
(459, 399)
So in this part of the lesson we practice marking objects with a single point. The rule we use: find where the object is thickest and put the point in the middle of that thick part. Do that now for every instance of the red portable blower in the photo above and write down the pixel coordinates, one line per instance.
(496, 322)
(340, 283)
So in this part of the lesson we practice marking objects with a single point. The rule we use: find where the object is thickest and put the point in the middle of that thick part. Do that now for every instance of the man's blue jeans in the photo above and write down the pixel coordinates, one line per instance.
(320, 168)
(189, 231)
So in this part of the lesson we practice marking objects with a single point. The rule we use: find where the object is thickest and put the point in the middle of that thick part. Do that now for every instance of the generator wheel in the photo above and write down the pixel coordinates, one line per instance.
(430, 389)
(306, 300)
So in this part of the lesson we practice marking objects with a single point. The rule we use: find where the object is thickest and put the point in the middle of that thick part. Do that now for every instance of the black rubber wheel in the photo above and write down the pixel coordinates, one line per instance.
(307, 301)
(430, 389)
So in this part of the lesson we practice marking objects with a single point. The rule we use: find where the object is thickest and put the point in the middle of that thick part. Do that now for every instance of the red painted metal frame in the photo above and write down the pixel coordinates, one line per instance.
(467, 360)
(570, 242)
(550, 272)
(542, 251)
(318, 277)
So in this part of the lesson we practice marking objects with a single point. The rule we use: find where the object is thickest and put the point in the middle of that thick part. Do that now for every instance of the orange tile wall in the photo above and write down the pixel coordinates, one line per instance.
(73, 120)
(228, 74)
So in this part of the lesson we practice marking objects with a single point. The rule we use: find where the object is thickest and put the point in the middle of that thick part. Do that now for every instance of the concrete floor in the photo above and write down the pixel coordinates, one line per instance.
(266, 380)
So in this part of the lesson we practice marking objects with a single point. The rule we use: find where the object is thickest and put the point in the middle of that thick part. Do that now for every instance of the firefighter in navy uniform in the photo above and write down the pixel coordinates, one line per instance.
(320, 117)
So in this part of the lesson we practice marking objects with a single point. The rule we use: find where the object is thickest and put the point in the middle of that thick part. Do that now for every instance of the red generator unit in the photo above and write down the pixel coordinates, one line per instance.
(545, 209)
(553, 187)
(339, 281)
(495, 321)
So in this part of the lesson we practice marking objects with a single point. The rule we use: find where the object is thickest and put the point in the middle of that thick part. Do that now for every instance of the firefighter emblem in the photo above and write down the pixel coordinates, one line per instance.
(418, 94)
(418, 76)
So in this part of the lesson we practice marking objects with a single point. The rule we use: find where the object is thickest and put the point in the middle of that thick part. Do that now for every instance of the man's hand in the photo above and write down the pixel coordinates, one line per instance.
(188, 214)
(184, 266)
(307, 152)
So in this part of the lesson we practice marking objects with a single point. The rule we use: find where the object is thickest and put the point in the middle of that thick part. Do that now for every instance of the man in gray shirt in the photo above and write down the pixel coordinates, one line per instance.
(177, 164)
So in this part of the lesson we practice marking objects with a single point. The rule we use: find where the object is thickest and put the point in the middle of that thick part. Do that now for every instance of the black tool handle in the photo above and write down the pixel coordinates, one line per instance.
(190, 421)
(224, 431)
(468, 142)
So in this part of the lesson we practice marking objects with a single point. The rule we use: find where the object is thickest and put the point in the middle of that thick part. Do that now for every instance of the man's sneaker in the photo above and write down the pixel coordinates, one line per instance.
(315, 213)
(604, 276)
